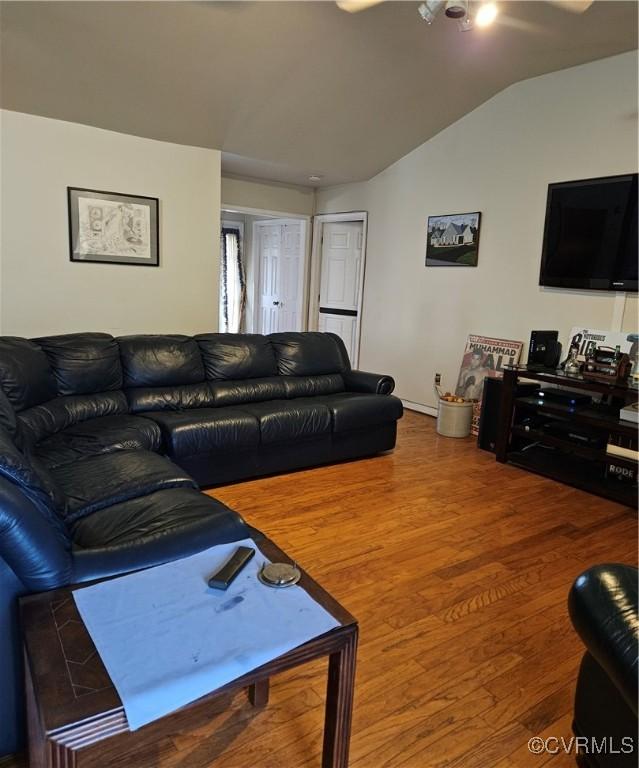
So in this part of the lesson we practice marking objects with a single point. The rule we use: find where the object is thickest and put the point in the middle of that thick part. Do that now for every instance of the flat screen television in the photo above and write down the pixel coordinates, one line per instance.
(590, 236)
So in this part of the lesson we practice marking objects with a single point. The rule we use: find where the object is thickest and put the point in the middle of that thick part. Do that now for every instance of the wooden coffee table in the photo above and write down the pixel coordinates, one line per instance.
(75, 716)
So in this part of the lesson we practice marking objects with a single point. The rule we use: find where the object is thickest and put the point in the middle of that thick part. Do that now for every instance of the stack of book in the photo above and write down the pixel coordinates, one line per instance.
(630, 413)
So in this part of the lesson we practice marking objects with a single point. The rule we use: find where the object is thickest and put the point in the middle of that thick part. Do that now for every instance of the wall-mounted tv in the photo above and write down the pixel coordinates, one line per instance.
(590, 237)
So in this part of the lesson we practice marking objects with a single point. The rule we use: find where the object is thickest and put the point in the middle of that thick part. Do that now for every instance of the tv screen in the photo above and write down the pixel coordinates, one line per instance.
(590, 236)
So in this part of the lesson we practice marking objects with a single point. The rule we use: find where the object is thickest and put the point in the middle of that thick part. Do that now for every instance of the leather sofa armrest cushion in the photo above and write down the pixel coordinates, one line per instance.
(603, 609)
(373, 383)
(37, 552)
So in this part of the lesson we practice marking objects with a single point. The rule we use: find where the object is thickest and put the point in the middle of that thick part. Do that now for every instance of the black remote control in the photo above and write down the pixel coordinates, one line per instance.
(227, 573)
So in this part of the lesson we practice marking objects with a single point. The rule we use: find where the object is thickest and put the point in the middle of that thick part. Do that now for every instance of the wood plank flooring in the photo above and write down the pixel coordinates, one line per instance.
(458, 569)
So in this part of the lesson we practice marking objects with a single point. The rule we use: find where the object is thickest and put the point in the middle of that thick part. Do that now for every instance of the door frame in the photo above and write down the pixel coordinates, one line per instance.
(316, 262)
(306, 266)
(303, 283)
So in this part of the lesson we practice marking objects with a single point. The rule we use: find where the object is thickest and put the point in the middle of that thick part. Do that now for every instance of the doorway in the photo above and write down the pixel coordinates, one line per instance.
(274, 261)
(339, 249)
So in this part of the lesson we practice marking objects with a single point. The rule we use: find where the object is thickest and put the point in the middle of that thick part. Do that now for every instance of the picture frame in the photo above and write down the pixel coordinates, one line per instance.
(113, 228)
(452, 240)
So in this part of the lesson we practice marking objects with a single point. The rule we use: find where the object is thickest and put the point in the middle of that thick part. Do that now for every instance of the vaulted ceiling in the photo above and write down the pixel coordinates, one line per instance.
(285, 89)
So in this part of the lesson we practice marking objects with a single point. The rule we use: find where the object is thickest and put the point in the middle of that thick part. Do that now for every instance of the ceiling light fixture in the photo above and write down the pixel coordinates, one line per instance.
(429, 10)
(314, 177)
(456, 9)
(486, 14)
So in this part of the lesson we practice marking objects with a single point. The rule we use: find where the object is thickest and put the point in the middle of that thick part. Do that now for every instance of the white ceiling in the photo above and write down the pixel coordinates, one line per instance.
(285, 89)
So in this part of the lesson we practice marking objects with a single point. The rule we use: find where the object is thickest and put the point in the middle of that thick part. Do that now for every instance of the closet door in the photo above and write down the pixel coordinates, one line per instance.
(340, 282)
(280, 252)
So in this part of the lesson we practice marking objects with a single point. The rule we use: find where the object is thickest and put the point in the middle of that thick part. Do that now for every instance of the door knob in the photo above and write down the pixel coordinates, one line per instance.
(276, 303)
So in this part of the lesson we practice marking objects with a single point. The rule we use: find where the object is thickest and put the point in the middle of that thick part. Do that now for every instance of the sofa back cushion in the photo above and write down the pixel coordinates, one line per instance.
(235, 392)
(46, 419)
(308, 354)
(160, 361)
(7, 415)
(237, 356)
(25, 374)
(83, 363)
(310, 386)
(175, 398)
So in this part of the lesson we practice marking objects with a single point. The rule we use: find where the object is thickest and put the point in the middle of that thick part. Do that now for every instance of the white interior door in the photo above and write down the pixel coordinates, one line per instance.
(280, 254)
(340, 282)
(269, 242)
(291, 278)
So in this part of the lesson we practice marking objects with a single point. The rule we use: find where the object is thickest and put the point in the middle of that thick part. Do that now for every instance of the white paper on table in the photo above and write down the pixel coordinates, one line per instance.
(166, 638)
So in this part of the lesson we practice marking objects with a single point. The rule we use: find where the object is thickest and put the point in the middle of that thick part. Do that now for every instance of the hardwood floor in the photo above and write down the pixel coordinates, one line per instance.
(458, 569)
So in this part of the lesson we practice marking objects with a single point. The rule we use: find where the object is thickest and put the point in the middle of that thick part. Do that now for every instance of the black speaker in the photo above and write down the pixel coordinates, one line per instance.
(544, 350)
(490, 405)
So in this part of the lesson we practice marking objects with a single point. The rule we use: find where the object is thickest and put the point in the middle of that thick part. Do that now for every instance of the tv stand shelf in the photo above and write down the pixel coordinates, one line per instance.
(524, 441)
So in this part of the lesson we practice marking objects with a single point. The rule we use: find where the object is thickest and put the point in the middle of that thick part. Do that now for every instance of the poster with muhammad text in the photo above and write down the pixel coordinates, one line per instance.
(484, 357)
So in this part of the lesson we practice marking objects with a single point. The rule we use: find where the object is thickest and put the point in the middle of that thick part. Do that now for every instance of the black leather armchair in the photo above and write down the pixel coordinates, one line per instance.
(104, 443)
(603, 608)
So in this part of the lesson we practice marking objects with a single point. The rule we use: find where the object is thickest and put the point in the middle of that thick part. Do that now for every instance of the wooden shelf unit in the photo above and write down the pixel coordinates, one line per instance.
(534, 448)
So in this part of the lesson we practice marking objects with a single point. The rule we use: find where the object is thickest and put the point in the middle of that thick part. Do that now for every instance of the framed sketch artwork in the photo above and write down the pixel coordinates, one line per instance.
(453, 240)
(111, 228)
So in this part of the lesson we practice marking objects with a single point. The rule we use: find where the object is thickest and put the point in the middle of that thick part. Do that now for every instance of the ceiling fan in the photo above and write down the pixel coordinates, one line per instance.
(465, 12)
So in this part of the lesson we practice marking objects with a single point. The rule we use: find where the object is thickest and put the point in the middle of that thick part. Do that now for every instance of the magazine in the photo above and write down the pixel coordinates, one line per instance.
(484, 357)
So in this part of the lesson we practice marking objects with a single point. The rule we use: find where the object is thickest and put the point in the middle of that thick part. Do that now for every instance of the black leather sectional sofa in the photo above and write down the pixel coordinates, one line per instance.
(105, 441)
(604, 609)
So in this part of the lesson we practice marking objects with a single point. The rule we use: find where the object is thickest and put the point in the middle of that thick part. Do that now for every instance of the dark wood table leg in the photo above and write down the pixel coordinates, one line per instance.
(258, 693)
(339, 703)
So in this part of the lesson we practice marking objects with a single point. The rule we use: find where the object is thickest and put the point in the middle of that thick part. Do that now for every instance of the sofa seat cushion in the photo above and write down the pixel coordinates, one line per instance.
(147, 517)
(201, 430)
(152, 529)
(96, 482)
(283, 420)
(357, 411)
(103, 435)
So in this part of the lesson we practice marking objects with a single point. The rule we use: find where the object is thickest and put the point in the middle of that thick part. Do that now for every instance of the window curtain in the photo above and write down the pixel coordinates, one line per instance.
(233, 281)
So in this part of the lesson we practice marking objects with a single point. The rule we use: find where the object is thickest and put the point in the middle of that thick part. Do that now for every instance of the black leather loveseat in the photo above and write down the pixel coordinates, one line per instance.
(104, 442)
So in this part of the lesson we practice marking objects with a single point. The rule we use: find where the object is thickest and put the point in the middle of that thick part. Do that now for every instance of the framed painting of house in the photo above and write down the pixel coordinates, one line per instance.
(453, 240)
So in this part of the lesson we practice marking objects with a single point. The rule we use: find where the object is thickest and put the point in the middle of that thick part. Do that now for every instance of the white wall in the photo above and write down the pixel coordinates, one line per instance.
(267, 196)
(42, 292)
(499, 159)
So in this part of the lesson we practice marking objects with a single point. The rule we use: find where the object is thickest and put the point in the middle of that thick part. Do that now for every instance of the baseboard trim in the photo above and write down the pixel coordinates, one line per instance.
(420, 407)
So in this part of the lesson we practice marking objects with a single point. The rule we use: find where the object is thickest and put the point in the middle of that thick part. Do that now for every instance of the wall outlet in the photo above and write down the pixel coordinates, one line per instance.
(438, 379)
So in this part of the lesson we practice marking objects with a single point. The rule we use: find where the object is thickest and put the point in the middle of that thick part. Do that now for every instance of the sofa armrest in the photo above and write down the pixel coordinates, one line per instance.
(603, 610)
(374, 383)
(37, 553)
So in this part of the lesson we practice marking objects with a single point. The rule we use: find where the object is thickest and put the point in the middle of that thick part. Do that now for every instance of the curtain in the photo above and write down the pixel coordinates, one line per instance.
(233, 281)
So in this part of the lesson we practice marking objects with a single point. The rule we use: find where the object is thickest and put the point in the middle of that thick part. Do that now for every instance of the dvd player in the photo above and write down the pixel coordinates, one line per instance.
(563, 397)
